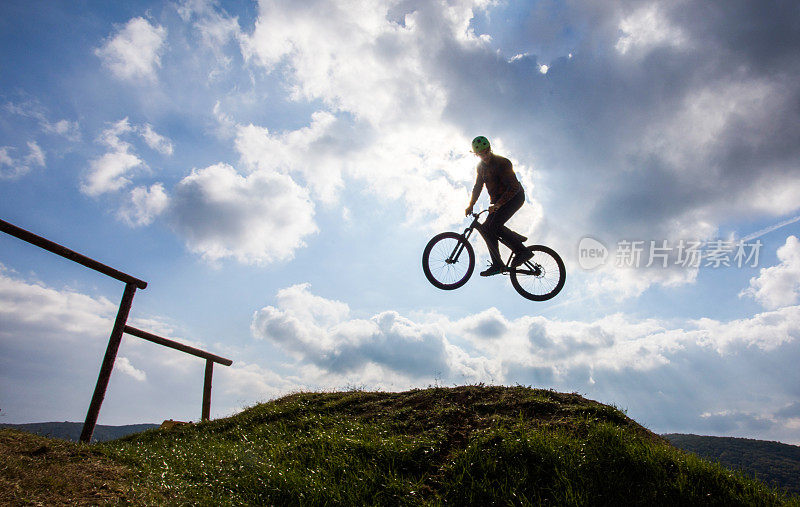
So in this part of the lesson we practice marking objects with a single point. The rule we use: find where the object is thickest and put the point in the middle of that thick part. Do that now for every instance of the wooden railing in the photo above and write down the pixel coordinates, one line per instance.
(120, 327)
(210, 360)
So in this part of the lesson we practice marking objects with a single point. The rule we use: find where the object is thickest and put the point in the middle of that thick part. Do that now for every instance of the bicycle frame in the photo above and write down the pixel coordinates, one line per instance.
(453, 258)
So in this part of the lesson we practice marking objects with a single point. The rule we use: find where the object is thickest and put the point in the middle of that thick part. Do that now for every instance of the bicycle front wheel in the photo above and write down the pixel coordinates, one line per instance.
(448, 260)
(542, 277)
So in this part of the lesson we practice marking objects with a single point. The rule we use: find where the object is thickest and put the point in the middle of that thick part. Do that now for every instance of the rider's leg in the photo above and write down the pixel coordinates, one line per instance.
(512, 239)
(495, 227)
(490, 237)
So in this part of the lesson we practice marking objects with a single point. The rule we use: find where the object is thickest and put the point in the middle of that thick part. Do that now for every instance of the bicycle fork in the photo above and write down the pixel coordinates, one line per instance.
(460, 247)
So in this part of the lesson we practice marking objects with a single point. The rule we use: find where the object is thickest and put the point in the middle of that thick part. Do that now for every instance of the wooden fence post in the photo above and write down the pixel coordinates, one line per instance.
(207, 391)
(108, 363)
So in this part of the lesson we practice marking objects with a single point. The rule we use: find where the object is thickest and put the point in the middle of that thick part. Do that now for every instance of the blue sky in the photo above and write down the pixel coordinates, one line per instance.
(274, 170)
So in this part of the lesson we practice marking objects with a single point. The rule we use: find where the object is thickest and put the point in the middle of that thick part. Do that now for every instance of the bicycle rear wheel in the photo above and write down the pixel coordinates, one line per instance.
(448, 260)
(542, 277)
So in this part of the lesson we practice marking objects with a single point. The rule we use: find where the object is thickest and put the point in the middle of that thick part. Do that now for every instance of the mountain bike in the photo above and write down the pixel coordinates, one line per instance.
(449, 260)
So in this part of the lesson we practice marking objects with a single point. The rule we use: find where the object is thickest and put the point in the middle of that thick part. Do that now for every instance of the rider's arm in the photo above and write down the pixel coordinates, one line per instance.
(477, 188)
(510, 181)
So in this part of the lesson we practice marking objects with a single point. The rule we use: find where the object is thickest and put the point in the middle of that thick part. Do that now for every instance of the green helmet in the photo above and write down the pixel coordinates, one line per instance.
(480, 143)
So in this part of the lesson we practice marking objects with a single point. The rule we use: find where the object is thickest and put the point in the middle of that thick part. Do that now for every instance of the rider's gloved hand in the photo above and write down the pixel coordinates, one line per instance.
(492, 208)
(467, 211)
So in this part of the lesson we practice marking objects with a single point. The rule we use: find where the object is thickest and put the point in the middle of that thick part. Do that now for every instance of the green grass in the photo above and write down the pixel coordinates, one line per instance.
(473, 445)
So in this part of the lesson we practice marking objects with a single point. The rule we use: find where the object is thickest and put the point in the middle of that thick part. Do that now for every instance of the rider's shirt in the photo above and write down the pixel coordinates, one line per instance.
(498, 176)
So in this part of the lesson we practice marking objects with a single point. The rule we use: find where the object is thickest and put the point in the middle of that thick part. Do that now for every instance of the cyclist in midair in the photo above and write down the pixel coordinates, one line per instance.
(506, 196)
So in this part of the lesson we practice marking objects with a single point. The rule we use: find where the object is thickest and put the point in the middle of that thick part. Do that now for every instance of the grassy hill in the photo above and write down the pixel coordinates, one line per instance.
(471, 445)
(772, 462)
(36, 470)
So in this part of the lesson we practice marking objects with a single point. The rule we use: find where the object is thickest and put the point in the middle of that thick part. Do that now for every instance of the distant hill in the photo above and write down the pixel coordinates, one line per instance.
(772, 462)
(72, 430)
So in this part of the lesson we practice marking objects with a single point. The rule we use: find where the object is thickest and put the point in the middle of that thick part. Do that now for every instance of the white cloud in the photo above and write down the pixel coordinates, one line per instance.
(5, 158)
(134, 52)
(360, 60)
(226, 126)
(68, 129)
(36, 155)
(111, 171)
(145, 205)
(256, 219)
(418, 165)
(155, 140)
(123, 364)
(766, 331)
(33, 308)
(712, 111)
(313, 152)
(322, 332)
(623, 282)
(483, 326)
(12, 168)
(646, 28)
(216, 29)
(778, 286)
(108, 173)
(350, 55)
(188, 8)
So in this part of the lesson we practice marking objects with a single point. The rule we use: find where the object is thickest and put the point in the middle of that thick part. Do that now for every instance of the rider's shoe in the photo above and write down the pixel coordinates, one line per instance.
(520, 259)
(494, 269)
